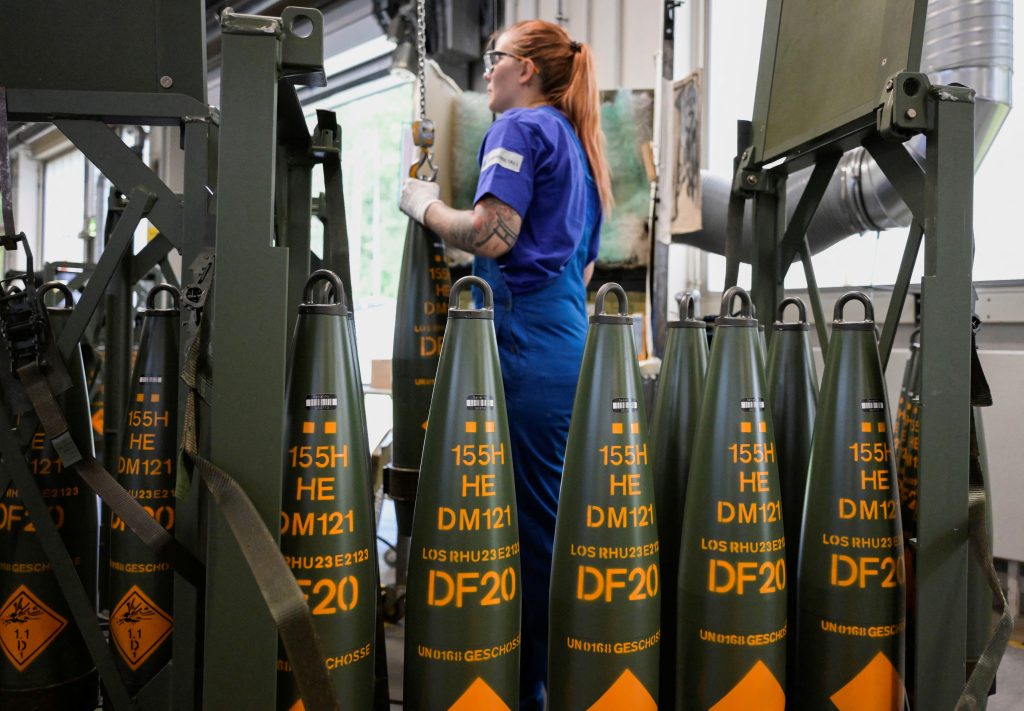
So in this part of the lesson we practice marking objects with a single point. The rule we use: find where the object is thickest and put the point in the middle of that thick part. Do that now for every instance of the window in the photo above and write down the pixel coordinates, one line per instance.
(872, 258)
(372, 126)
(63, 207)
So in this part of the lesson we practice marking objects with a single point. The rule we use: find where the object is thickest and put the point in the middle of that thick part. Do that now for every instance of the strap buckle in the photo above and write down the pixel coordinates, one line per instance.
(195, 293)
(66, 448)
(23, 323)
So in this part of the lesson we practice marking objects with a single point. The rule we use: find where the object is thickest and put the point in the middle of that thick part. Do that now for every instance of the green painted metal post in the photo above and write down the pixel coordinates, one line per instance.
(945, 398)
(200, 146)
(769, 226)
(250, 341)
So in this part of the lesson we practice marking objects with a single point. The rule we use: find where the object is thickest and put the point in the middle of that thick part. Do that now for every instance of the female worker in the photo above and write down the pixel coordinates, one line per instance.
(534, 228)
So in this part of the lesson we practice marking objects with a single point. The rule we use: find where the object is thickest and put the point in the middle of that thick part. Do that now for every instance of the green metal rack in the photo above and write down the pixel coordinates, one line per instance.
(812, 105)
(245, 214)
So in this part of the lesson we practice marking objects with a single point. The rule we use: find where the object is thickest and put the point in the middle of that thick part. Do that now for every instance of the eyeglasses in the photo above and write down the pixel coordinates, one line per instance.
(493, 56)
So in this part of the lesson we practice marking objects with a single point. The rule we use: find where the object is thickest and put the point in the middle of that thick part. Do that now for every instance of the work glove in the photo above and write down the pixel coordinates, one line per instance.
(417, 196)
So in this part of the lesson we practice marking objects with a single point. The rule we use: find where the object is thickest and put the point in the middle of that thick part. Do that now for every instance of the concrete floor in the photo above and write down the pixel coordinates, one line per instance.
(1009, 680)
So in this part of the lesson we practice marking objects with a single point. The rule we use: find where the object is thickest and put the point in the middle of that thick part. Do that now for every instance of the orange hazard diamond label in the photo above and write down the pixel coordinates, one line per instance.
(298, 706)
(878, 687)
(759, 689)
(138, 627)
(479, 697)
(626, 693)
(27, 627)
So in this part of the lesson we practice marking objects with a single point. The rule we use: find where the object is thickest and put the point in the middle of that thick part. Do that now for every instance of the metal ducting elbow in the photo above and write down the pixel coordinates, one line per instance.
(967, 42)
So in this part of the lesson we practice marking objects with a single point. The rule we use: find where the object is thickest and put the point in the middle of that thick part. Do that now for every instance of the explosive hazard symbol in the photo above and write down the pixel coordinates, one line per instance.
(758, 689)
(878, 687)
(138, 626)
(479, 697)
(626, 693)
(27, 627)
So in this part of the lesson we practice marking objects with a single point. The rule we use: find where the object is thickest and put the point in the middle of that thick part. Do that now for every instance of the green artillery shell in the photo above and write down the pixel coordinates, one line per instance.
(604, 633)
(45, 664)
(906, 444)
(380, 693)
(732, 566)
(673, 425)
(907, 436)
(793, 394)
(141, 587)
(852, 596)
(423, 291)
(327, 527)
(463, 600)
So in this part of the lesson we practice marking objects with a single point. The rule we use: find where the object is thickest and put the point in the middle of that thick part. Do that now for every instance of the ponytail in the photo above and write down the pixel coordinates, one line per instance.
(569, 81)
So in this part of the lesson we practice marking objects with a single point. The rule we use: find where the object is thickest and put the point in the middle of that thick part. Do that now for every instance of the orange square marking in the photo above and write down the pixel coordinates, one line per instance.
(155, 397)
(489, 426)
(762, 426)
(308, 428)
(881, 427)
(471, 427)
(634, 428)
(616, 428)
(437, 258)
(746, 427)
(865, 426)
(140, 397)
(330, 427)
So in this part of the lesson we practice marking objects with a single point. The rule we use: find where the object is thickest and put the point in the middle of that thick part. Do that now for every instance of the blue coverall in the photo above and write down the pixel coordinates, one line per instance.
(532, 160)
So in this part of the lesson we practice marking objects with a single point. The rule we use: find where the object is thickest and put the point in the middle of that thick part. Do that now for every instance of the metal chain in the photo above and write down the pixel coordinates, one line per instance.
(421, 49)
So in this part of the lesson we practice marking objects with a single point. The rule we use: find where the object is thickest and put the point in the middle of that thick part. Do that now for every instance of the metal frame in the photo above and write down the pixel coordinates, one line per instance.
(83, 116)
(940, 197)
(225, 646)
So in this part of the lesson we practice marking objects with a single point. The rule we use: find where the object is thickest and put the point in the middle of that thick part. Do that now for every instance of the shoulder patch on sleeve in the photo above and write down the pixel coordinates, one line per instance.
(503, 157)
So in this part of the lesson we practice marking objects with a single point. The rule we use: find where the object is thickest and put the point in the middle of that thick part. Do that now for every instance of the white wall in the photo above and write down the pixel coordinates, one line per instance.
(625, 36)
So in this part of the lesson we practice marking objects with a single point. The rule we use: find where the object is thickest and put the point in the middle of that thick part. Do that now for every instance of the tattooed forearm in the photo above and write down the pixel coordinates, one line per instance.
(489, 230)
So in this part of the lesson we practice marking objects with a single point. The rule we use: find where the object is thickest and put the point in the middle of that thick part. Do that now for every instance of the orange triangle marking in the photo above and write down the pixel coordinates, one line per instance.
(878, 687)
(27, 627)
(138, 627)
(479, 697)
(626, 693)
(298, 706)
(424, 425)
(759, 689)
(97, 421)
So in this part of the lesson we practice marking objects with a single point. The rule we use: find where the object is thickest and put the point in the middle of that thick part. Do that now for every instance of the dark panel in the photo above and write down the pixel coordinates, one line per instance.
(825, 63)
(104, 45)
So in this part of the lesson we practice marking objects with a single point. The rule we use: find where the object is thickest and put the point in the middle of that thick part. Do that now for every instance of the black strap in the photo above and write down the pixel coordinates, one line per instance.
(151, 533)
(282, 595)
(7, 240)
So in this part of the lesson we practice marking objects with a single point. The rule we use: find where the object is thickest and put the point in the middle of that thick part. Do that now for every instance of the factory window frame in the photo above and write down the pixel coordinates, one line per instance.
(63, 201)
(871, 258)
(373, 119)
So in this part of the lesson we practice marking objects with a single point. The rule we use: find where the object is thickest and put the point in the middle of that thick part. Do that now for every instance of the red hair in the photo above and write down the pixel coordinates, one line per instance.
(569, 81)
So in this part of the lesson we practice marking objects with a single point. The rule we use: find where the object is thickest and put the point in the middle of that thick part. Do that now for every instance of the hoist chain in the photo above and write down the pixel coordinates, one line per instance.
(423, 129)
(421, 51)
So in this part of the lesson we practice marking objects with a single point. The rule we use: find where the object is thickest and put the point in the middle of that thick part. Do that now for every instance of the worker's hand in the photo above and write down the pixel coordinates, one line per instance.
(417, 196)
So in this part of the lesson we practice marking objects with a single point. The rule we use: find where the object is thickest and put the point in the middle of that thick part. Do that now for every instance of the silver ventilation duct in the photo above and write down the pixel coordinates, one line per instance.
(967, 42)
